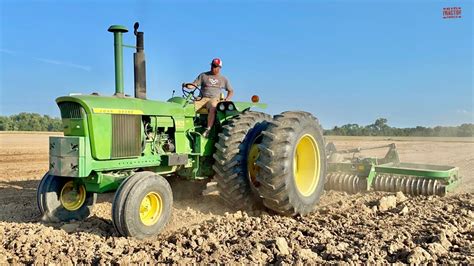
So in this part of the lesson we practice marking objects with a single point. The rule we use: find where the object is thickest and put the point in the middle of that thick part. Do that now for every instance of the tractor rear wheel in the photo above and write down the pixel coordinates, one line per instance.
(142, 205)
(235, 157)
(61, 199)
(292, 163)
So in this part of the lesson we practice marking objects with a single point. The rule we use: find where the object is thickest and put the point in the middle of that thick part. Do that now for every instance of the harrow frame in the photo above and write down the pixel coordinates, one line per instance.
(359, 174)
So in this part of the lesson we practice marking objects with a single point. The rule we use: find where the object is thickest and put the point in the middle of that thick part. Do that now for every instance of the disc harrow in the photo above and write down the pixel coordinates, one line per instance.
(356, 173)
(411, 185)
(350, 183)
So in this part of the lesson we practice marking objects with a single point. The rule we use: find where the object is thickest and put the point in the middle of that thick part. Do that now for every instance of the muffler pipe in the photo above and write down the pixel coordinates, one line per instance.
(139, 65)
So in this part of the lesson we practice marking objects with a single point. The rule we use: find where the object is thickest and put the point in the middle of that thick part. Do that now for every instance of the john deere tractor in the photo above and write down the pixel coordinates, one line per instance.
(130, 145)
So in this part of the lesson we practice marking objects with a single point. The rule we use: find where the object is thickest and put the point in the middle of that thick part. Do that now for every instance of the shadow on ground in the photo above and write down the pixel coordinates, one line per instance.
(18, 201)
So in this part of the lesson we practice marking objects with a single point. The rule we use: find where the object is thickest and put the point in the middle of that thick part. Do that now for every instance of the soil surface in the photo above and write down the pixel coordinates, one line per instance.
(363, 228)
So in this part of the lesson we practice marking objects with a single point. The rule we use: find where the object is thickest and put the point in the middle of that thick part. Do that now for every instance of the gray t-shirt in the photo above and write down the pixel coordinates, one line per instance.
(211, 85)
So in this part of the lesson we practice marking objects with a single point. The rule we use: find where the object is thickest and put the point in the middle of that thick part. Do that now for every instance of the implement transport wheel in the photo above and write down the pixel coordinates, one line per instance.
(61, 199)
(292, 164)
(235, 157)
(142, 205)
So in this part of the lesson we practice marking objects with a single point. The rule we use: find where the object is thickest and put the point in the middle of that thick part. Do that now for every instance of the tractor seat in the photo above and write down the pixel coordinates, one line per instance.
(202, 111)
(200, 107)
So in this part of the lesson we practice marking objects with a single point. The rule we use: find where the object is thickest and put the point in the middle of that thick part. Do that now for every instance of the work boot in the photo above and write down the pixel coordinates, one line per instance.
(206, 133)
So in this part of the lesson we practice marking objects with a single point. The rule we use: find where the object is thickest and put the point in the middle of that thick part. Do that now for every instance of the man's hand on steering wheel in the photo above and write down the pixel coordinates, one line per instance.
(190, 89)
(189, 86)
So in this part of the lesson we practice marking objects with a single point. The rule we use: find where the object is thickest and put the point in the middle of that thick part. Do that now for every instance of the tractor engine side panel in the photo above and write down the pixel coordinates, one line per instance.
(115, 136)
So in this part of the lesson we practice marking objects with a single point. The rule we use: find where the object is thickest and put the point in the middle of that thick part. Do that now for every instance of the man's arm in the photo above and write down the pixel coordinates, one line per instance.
(229, 89)
(197, 82)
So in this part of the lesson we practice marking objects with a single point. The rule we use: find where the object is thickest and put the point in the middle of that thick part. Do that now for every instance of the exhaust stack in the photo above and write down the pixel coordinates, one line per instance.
(139, 65)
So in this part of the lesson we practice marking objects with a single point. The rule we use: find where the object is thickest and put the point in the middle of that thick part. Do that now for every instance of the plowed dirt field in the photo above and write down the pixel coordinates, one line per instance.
(344, 228)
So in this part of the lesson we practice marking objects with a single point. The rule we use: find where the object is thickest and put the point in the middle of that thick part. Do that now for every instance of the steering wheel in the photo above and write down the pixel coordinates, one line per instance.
(191, 93)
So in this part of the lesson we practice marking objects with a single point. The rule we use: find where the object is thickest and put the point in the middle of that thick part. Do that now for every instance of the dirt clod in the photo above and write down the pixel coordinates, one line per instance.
(403, 211)
(436, 249)
(400, 197)
(342, 246)
(442, 239)
(70, 228)
(419, 255)
(387, 203)
(307, 254)
(282, 246)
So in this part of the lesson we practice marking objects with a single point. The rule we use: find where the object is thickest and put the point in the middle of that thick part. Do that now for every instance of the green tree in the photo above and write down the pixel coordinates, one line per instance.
(5, 123)
(466, 130)
(381, 128)
(30, 122)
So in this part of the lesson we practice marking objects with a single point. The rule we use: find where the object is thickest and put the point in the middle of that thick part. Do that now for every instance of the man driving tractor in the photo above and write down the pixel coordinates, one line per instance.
(211, 83)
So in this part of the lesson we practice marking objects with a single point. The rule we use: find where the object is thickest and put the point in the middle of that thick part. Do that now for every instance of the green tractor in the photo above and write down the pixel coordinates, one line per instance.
(130, 144)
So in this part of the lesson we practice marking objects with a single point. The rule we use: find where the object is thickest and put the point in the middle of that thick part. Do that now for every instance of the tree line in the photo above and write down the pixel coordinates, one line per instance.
(381, 128)
(37, 122)
(30, 122)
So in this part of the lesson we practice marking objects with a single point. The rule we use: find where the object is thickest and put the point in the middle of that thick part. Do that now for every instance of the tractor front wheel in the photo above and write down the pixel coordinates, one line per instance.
(292, 163)
(61, 199)
(142, 205)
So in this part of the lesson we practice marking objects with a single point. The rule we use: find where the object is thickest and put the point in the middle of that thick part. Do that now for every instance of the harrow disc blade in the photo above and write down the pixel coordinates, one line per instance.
(411, 185)
(349, 183)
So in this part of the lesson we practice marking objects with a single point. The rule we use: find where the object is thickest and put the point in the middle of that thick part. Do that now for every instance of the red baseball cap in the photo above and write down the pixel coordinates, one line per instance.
(216, 62)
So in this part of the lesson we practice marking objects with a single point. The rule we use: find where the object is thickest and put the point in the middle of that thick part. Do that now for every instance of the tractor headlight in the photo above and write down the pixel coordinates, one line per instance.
(231, 107)
(221, 107)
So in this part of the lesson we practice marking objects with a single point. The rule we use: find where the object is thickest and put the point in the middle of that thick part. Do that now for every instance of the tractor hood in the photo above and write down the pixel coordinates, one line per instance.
(93, 104)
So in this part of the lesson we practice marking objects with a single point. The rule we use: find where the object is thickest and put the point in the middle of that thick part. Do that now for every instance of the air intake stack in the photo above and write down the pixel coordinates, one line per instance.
(118, 31)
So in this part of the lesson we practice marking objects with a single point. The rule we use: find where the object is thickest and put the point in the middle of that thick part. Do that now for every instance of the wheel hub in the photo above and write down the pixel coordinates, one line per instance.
(306, 165)
(251, 163)
(151, 208)
(72, 196)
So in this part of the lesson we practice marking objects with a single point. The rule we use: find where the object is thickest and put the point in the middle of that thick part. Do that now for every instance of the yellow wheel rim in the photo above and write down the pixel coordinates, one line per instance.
(251, 162)
(72, 197)
(306, 165)
(150, 208)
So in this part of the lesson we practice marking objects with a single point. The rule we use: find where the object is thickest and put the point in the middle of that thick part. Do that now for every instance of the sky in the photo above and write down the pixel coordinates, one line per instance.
(343, 61)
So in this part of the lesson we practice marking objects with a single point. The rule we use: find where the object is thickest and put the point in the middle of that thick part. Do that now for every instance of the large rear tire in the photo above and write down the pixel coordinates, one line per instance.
(142, 205)
(292, 164)
(235, 158)
(61, 199)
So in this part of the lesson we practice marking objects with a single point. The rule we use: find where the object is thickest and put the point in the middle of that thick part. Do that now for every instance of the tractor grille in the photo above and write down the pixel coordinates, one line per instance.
(126, 139)
(71, 110)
